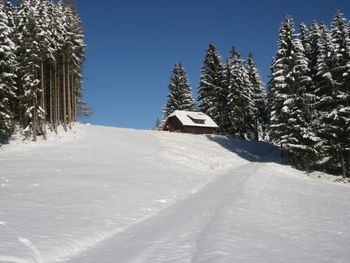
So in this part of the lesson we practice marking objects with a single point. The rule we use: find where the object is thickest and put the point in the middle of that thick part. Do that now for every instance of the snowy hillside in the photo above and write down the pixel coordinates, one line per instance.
(118, 195)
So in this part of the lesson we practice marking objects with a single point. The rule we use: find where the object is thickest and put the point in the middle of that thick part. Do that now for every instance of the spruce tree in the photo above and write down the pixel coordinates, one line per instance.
(75, 52)
(212, 93)
(7, 72)
(29, 57)
(291, 95)
(259, 98)
(180, 93)
(240, 98)
(280, 84)
(301, 139)
(339, 118)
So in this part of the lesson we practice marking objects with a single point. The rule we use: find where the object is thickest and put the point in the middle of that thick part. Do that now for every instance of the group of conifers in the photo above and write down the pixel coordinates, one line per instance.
(41, 54)
(305, 108)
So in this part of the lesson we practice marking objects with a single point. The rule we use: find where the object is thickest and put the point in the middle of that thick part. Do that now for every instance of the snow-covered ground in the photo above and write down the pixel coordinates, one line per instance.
(117, 195)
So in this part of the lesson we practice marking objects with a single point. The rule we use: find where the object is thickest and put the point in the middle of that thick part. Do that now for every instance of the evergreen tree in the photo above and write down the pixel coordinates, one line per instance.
(240, 99)
(180, 94)
(29, 57)
(212, 90)
(280, 83)
(304, 38)
(7, 72)
(259, 98)
(338, 120)
(302, 139)
(75, 58)
(291, 93)
(158, 125)
(321, 63)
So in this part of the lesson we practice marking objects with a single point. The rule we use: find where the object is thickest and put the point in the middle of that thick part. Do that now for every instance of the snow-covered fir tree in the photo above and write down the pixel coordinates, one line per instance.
(301, 139)
(334, 94)
(280, 84)
(75, 58)
(259, 98)
(7, 71)
(241, 104)
(291, 116)
(321, 63)
(180, 93)
(212, 90)
(29, 50)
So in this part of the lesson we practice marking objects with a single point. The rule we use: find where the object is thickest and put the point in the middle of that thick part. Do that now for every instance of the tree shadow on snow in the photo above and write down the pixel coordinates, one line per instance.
(251, 150)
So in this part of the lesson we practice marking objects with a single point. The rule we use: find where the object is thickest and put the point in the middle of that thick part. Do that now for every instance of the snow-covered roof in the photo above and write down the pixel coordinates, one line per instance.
(192, 118)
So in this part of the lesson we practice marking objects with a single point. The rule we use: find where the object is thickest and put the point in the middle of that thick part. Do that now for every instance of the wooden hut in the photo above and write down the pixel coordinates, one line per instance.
(190, 122)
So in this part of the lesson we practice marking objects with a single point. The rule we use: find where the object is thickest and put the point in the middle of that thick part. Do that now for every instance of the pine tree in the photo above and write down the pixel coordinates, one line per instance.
(259, 98)
(339, 118)
(180, 93)
(280, 83)
(7, 72)
(212, 92)
(75, 57)
(29, 57)
(302, 137)
(158, 125)
(240, 98)
(292, 95)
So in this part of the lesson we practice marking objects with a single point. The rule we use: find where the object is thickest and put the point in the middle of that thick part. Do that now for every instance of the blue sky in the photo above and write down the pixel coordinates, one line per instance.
(133, 45)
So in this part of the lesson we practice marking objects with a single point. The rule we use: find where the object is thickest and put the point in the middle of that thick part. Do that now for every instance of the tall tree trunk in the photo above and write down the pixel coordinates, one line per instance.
(74, 117)
(56, 97)
(43, 98)
(69, 97)
(343, 165)
(34, 117)
(64, 95)
(256, 129)
(51, 102)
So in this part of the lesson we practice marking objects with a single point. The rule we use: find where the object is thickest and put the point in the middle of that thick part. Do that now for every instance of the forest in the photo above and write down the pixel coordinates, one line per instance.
(305, 106)
(41, 55)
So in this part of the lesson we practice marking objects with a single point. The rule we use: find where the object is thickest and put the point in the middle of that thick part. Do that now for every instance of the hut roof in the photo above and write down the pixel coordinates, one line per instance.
(194, 119)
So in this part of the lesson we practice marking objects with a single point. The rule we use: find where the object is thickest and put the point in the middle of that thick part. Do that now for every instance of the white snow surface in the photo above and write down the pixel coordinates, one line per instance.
(113, 195)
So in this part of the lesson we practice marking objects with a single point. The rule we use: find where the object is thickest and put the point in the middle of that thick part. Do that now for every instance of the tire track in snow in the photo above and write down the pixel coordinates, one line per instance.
(173, 235)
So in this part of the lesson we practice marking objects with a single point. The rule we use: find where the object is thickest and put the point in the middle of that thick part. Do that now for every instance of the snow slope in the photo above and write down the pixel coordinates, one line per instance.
(118, 195)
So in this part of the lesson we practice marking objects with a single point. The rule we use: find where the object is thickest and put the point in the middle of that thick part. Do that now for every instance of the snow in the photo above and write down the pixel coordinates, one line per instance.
(117, 195)
(187, 117)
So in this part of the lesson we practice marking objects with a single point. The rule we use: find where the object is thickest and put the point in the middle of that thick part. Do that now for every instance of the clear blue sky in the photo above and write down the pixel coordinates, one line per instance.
(133, 45)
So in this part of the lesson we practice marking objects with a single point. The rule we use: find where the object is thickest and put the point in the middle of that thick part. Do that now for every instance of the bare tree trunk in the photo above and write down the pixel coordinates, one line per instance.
(34, 117)
(69, 98)
(343, 166)
(43, 98)
(64, 95)
(256, 128)
(34, 120)
(74, 99)
(51, 102)
(56, 98)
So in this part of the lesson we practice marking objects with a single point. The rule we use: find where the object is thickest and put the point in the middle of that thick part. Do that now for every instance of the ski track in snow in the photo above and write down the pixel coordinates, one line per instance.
(117, 195)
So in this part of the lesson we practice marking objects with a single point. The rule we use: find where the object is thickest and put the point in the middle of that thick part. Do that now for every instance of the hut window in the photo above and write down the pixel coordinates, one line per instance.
(198, 121)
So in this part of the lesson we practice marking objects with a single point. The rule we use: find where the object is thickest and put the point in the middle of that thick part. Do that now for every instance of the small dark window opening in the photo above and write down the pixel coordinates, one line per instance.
(198, 121)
